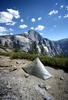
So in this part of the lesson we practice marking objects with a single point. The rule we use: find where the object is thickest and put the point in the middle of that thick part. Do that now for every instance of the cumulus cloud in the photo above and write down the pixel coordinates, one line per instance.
(23, 26)
(66, 16)
(41, 33)
(11, 33)
(12, 23)
(7, 16)
(61, 6)
(2, 29)
(14, 13)
(39, 28)
(22, 20)
(39, 18)
(53, 12)
(59, 17)
(10, 29)
(56, 4)
(33, 20)
(32, 28)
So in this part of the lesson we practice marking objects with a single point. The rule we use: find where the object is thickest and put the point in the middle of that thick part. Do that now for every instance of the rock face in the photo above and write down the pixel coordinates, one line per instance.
(18, 85)
(33, 41)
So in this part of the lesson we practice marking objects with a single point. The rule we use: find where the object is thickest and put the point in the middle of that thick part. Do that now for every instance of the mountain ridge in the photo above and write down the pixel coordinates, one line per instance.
(33, 41)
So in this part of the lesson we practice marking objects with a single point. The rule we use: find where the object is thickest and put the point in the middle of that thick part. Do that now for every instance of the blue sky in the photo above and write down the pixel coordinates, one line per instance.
(48, 17)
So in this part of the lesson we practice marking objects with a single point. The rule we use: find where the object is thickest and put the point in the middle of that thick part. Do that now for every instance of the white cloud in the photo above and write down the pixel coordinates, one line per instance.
(67, 7)
(61, 6)
(59, 17)
(26, 32)
(66, 16)
(13, 12)
(11, 33)
(40, 27)
(22, 20)
(7, 16)
(10, 29)
(39, 18)
(2, 29)
(53, 12)
(32, 28)
(12, 23)
(41, 33)
(56, 4)
(23, 26)
(33, 20)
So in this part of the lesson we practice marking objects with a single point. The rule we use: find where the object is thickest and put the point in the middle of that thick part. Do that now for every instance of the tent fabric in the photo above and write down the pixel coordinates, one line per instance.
(36, 68)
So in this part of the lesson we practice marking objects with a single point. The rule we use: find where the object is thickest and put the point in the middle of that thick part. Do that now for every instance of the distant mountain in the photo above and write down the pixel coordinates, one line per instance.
(34, 42)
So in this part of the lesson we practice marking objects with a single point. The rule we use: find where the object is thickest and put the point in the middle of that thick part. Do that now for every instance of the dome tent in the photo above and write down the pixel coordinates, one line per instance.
(36, 68)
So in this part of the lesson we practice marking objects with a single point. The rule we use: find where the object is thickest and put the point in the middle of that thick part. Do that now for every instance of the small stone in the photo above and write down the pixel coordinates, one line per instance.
(41, 85)
(62, 78)
(48, 98)
(11, 65)
(17, 62)
(23, 62)
(8, 86)
(13, 69)
(46, 87)
(26, 75)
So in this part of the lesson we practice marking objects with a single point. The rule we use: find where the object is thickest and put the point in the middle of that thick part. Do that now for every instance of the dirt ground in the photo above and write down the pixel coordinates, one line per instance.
(15, 84)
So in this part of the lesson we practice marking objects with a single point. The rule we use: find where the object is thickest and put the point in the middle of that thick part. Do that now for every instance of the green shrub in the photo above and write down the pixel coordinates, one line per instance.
(23, 55)
(55, 62)
(5, 53)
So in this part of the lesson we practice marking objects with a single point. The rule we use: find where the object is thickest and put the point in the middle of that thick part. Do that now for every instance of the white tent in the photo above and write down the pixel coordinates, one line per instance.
(36, 68)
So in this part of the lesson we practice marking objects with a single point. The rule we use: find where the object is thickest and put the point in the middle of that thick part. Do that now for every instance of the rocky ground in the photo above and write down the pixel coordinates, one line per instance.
(15, 84)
